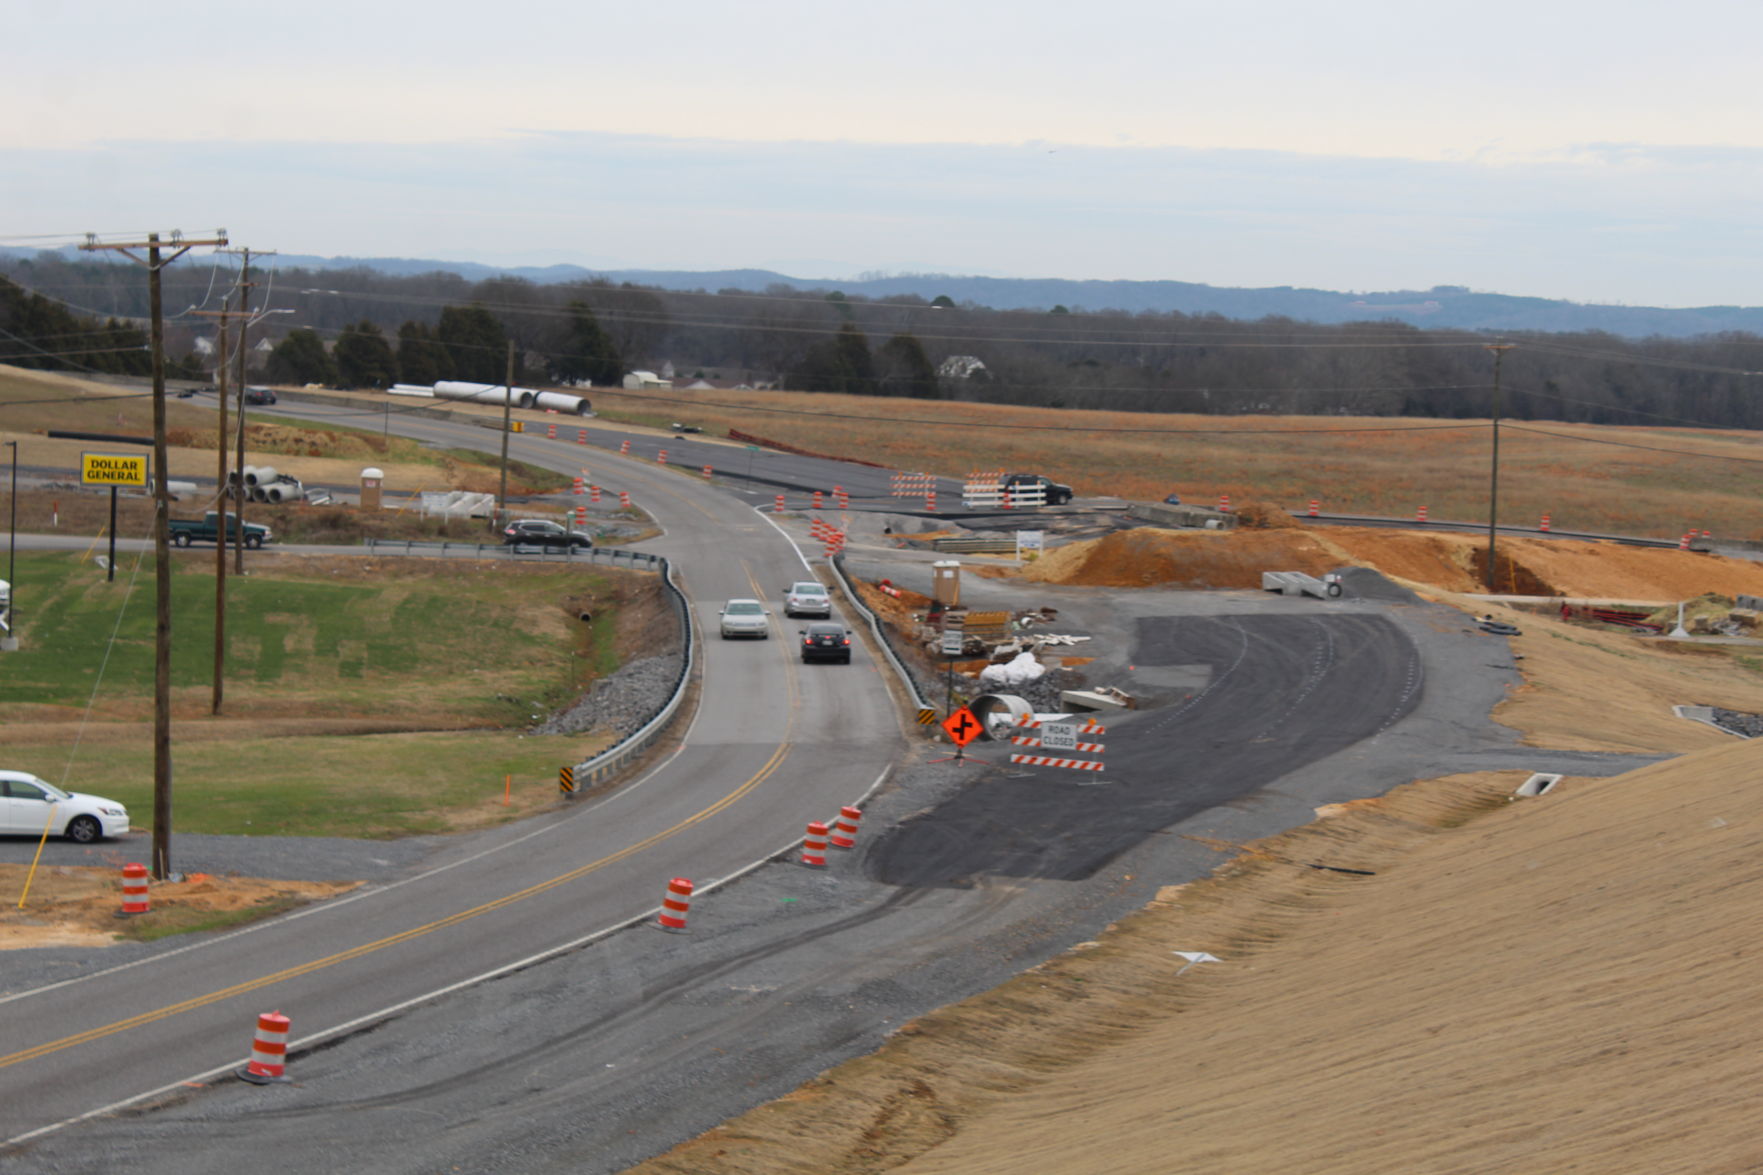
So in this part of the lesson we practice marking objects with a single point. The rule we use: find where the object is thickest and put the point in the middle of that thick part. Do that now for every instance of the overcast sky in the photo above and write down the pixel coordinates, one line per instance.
(1608, 152)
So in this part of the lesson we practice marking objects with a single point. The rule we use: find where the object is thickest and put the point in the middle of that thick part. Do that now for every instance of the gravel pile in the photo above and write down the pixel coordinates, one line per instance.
(1043, 692)
(621, 703)
(1749, 725)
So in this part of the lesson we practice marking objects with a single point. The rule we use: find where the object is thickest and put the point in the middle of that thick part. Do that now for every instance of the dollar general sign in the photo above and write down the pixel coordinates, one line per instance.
(113, 469)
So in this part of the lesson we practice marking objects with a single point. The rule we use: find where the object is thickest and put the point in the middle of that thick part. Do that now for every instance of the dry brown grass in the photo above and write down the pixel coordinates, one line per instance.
(1393, 468)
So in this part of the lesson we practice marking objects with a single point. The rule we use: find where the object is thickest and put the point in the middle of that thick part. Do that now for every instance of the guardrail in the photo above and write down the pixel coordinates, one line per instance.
(507, 551)
(976, 545)
(837, 563)
(615, 757)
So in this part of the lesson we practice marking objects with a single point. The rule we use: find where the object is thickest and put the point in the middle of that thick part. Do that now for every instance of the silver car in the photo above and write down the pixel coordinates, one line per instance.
(745, 618)
(808, 598)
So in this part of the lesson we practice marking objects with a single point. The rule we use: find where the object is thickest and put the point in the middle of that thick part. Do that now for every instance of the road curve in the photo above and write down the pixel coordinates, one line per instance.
(773, 744)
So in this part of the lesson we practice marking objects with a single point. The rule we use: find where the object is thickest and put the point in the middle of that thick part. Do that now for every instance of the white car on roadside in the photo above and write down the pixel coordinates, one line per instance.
(808, 598)
(745, 618)
(28, 805)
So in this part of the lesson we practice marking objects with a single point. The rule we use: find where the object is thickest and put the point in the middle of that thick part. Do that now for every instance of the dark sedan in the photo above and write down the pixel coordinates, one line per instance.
(826, 642)
(538, 532)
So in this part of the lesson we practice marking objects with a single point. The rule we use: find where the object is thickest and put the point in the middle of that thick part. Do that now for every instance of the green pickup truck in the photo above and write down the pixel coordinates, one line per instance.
(206, 529)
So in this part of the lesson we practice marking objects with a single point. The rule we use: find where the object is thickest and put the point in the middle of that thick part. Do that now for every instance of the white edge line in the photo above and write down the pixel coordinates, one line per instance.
(760, 510)
(305, 1043)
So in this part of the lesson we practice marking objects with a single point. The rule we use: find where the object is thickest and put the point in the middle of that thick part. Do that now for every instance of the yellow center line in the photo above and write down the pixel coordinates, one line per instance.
(771, 765)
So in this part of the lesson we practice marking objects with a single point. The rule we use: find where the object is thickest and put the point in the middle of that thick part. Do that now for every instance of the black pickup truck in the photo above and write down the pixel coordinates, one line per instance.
(206, 529)
(1056, 494)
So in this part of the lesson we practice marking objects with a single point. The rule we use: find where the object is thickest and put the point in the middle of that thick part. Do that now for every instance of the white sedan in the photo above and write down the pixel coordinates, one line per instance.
(28, 805)
(745, 618)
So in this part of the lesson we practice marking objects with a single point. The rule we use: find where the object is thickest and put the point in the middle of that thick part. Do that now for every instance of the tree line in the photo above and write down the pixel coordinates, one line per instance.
(363, 328)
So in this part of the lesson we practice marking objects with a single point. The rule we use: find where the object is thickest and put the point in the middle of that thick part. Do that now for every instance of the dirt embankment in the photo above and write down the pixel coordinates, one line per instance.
(1198, 559)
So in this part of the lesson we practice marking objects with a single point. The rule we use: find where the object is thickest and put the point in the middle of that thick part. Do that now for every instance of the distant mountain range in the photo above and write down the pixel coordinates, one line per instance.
(1454, 307)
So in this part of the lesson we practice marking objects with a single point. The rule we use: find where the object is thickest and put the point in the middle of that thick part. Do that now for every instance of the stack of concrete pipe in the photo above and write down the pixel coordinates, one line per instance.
(264, 484)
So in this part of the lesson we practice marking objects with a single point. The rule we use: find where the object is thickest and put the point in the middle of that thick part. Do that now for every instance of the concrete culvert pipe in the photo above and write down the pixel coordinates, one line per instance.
(997, 713)
(284, 491)
(257, 475)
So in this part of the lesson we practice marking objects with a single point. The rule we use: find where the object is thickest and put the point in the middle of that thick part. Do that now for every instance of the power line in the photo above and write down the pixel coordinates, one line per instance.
(1631, 445)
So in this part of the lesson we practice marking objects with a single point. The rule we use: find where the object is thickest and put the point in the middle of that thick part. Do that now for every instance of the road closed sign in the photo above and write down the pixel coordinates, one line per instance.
(113, 469)
(1059, 736)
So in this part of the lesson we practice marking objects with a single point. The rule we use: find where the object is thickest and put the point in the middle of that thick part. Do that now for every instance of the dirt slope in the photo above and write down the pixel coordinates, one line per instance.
(1453, 562)
(1567, 984)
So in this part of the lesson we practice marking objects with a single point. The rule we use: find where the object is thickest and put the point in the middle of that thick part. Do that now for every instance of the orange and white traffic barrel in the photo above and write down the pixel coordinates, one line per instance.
(624, 446)
(707, 472)
(814, 846)
(269, 1050)
(551, 431)
(624, 499)
(845, 828)
(134, 890)
(1315, 507)
(675, 904)
(581, 436)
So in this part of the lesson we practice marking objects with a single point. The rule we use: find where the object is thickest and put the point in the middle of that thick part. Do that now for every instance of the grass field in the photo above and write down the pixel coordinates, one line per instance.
(363, 697)
(1642, 481)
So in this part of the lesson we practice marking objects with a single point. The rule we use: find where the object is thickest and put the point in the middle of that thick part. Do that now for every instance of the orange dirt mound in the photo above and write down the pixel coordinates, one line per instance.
(1449, 561)
(1265, 516)
(1195, 559)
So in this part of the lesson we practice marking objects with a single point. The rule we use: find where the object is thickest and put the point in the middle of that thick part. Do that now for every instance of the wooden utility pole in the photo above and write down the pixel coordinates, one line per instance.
(1499, 350)
(222, 492)
(507, 410)
(156, 261)
(244, 314)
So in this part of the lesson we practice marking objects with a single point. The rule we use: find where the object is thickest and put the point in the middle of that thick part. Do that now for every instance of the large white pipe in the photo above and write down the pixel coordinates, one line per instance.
(458, 389)
(563, 402)
(411, 390)
(256, 475)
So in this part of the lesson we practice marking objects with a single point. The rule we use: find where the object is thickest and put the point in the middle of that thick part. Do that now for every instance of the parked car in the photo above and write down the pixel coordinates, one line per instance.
(28, 805)
(808, 598)
(826, 642)
(1172, 500)
(745, 618)
(540, 532)
(259, 395)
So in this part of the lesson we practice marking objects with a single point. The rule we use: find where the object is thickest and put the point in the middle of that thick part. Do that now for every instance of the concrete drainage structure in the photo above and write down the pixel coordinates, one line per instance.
(1538, 784)
(1297, 583)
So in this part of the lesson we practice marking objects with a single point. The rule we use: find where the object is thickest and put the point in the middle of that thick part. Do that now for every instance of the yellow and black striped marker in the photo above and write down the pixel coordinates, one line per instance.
(926, 716)
(566, 780)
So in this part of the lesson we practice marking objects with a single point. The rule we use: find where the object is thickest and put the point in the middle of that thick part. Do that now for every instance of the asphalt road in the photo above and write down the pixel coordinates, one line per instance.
(1258, 708)
(773, 745)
